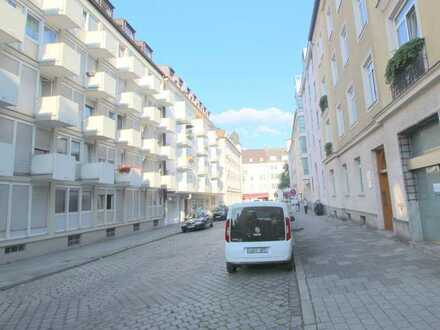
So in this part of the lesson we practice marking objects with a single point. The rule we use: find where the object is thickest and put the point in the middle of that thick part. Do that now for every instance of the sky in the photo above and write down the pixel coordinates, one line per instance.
(239, 56)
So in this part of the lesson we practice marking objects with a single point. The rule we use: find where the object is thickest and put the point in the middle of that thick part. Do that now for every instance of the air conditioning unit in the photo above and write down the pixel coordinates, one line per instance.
(8, 88)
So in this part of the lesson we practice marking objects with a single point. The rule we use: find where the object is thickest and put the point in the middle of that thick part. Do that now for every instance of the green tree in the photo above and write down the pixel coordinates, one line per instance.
(284, 178)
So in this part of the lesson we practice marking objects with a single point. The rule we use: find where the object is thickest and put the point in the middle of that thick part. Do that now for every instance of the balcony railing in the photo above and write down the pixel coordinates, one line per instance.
(12, 23)
(128, 67)
(130, 137)
(103, 173)
(152, 179)
(100, 127)
(149, 84)
(151, 115)
(181, 113)
(133, 177)
(58, 111)
(168, 152)
(54, 166)
(101, 86)
(405, 79)
(63, 14)
(60, 60)
(151, 146)
(101, 44)
(168, 124)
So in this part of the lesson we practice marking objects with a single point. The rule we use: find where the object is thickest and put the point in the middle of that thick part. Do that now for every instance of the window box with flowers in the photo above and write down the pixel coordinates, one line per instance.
(124, 169)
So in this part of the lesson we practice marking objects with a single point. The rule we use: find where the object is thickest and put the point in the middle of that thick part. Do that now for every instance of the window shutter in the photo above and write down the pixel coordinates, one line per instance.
(19, 207)
(23, 149)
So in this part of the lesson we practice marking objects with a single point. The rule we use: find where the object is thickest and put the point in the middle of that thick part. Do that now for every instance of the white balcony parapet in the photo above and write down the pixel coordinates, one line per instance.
(58, 111)
(9, 83)
(131, 137)
(60, 60)
(212, 138)
(131, 102)
(152, 179)
(169, 181)
(185, 186)
(12, 24)
(7, 163)
(182, 163)
(181, 113)
(168, 152)
(202, 170)
(168, 124)
(149, 84)
(101, 86)
(128, 67)
(151, 115)
(54, 166)
(199, 128)
(100, 127)
(164, 98)
(63, 14)
(151, 146)
(101, 44)
(103, 173)
(184, 140)
(132, 178)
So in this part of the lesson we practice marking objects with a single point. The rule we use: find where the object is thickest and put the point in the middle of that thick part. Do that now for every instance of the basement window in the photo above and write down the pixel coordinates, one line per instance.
(73, 240)
(110, 232)
(14, 248)
(156, 223)
(136, 227)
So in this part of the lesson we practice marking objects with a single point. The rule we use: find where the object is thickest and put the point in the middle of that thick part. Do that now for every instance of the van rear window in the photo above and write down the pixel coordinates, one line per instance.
(253, 224)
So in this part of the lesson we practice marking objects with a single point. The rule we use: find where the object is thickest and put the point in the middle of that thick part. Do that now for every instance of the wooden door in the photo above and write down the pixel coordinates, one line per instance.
(384, 189)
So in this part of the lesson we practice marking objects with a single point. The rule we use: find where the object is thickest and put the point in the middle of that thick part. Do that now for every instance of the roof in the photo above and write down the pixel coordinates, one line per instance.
(262, 155)
(313, 21)
(258, 204)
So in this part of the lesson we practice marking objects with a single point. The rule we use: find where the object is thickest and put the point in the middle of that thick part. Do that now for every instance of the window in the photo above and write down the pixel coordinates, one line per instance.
(62, 145)
(361, 15)
(49, 36)
(303, 144)
(338, 4)
(369, 82)
(329, 21)
(120, 122)
(352, 109)
(110, 232)
(75, 150)
(111, 156)
(347, 179)
(324, 87)
(112, 115)
(334, 67)
(110, 202)
(343, 39)
(340, 120)
(32, 28)
(407, 27)
(60, 200)
(301, 124)
(358, 165)
(86, 201)
(305, 165)
(88, 111)
(73, 239)
(333, 182)
(73, 200)
(101, 201)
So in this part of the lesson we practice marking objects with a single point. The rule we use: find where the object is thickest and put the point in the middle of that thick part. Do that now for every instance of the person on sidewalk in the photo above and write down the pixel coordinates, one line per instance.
(306, 205)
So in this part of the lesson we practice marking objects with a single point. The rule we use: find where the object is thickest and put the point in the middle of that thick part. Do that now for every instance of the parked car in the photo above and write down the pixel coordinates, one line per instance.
(199, 220)
(220, 213)
(256, 233)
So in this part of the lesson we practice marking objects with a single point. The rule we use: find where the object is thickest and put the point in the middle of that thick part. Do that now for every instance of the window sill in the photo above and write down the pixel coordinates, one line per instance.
(361, 33)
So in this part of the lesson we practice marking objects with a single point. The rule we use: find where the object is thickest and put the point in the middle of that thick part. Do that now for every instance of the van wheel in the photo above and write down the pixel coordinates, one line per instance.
(230, 268)
(290, 266)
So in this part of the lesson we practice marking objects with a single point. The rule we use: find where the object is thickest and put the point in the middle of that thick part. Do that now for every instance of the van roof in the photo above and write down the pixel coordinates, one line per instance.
(258, 204)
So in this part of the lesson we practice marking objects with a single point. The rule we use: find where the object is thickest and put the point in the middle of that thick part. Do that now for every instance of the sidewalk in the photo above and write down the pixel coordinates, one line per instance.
(27, 270)
(358, 278)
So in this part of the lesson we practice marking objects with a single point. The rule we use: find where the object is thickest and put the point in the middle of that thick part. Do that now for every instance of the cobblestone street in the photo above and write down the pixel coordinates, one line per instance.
(176, 283)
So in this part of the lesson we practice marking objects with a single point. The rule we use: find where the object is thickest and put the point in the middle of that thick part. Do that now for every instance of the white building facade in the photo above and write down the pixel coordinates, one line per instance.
(96, 139)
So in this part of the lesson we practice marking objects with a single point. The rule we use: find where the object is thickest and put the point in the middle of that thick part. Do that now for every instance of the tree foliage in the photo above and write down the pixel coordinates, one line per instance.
(284, 178)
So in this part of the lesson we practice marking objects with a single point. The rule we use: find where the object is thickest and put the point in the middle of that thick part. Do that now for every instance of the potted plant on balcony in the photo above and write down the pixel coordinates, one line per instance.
(124, 169)
(323, 103)
(403, 59)
(328, 148)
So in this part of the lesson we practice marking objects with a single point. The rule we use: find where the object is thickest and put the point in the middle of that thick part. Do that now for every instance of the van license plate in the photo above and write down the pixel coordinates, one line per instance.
(254, 250)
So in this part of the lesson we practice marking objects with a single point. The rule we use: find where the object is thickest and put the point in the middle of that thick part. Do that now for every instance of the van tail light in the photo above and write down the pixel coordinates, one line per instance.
(227, 238)
(288, 229)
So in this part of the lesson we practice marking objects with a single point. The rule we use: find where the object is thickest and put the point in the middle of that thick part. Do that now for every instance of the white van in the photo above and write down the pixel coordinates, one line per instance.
(258, 232)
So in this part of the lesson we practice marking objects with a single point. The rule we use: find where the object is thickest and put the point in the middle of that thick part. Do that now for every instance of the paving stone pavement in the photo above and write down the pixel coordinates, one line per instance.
(176, 283)
(360, 279)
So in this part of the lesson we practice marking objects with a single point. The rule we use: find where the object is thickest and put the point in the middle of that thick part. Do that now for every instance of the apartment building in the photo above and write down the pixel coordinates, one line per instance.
(377, 76)
(261, 170)
(96, 139)
(305, 146)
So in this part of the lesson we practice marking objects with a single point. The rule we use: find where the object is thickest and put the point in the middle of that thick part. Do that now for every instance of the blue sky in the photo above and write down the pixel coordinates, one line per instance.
(239, 56)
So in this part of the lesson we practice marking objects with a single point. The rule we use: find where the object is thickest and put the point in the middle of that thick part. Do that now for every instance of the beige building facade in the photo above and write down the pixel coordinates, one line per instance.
(381, 150)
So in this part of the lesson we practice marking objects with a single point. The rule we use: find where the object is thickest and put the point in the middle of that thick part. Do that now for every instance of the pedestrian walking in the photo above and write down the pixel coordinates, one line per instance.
(306, 205)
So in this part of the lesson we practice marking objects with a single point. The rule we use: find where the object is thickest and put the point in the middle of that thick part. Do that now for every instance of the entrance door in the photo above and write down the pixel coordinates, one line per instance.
(428, 194)
(384, 189)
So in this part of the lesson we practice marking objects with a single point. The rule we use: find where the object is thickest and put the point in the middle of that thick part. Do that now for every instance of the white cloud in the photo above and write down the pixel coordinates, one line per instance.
(267, 130)
(269, 117)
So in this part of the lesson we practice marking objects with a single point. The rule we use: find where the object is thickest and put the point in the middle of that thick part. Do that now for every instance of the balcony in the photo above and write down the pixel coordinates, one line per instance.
(164, 98)
(202, 170)
(12, 24)
(184, 139)
(101, 44)
(185, 186)
(59, 60)
(408, 76)
(7, 163)
(199, 128)
(152, 179)
(128, 67)
(130, 137)
(100, 128)
(54, 166)
(131, 102)
(63, 14)
(169, 181)
(183, 163)
(151, 146)
(9, 83)
(58, 111)
(181, 113)
(149, 84)
(201, 150)
(151, 115)
(212, 138)
(168, 152)
(101, 86)
(100, 173)
(213, 156)
(167, 124)
(129, 176)
(215, 173)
